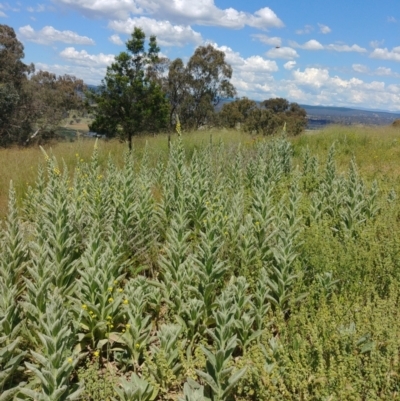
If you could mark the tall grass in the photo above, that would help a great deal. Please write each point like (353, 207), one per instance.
(20, 165)
(376, 151)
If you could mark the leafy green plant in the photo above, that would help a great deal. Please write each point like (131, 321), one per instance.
(220, 376)
(99, 384)
(55, 361)
(166, 364)
(209, 258)
(193, 391)
(135, 389)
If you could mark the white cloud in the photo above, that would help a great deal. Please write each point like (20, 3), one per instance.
(283, 52)
(181, 12)
(252, 63)
(2, 13)
(259, 64)
(315, 45)
(384, 71)
(319, 78)
(7, 7)
(310, 45)
(376, 43)
(346, 48)
(289, 65)
(272, 41)
(306, 30)
(391, 19)
(38, 9)
(394, 88)
(380, 71)
(309, 86)
(85, 59)
(103, 8)
(360, 68)
(48, 35)
(311, 76)
(324, 28)
(263, 19)
(385, 54)
(116, 40)
(252, 76)
(316, 86)
(205, 12)
(167, 34)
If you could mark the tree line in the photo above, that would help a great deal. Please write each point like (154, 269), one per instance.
(141, 92)
(31, 102)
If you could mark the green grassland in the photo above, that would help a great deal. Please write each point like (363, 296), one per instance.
(222, 267)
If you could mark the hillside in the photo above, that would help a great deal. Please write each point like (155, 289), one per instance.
(320, 116)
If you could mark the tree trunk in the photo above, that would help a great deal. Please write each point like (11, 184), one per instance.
(130, 142)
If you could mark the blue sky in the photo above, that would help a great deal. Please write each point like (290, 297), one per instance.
(326, 52)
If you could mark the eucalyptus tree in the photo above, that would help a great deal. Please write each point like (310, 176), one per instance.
(52, 97)
(195, 89)
(14, 115)
(273, 114)
(236, 112)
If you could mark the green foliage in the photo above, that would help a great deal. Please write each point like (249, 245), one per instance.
(266, 119)
(245, 273)
(99, 385)
(195, 89)
(56, 360)
(192, 391)
(221, 378)
(31, 103)
(235, 113)
(396, 123)
(136, 389)
(15, 124)
(52, 97)
(129, 101)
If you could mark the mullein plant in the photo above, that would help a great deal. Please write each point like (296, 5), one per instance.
(180, 272)
(192, 391)
(244, 316)
(220, 376)
(13, 262)
(200, 188)
(52, 226)
(133, 333)
(96, 302)
(142, 235)
(54, 360)
(359, 205)
(178, 126)
(165, 365)
(135, 389)
(11, 337)
(280, 275)
(15, 254)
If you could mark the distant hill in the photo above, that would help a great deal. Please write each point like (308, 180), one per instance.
(322, 115)
(318, 116)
